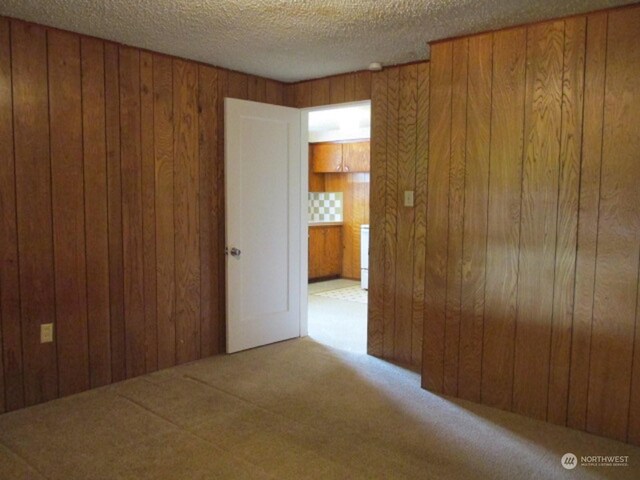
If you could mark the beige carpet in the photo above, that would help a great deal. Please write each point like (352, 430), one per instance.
(296, 409)
(337, 322)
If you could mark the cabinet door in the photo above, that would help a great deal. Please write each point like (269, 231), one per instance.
(356, 157)
(325, 252)
(326, 157)
(333, 251)
(316, 251)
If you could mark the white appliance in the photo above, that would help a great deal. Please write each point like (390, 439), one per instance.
(364, 257)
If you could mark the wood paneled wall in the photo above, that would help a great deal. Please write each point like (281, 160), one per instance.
(400, 108)
(533, 222)
(111, 210)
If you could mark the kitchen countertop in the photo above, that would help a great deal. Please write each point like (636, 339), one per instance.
(325, 224)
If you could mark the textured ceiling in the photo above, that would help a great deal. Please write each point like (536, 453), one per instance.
(290, 39)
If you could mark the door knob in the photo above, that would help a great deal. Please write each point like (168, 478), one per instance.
(235, 252)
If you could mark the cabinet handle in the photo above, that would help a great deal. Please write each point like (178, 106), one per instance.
(346, 168)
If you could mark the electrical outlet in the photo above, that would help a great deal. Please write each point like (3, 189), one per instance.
(408, 198)
(46, 333)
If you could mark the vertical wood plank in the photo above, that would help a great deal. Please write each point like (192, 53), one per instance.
(406, 173)
(132, 230)
(596, 44)
(320, 92)
(65, 113)
(391, 209)
(337, 93)
(437, 220)
(457, 168)
(148, 211)
(164, 191)
(507, 115)
(11, 379)
(348, 204)
(209, 215)
(475, 216)
(275, 93)
(375, 324)
(186, 210)
(567, 229)
(33, 194)
(420, 229)
(238, 85)
(618, 234)
(362, 86)
(95, 195)
(114, 209)
(256, 89)
(223, 86)
(543, 118)
(302, 95)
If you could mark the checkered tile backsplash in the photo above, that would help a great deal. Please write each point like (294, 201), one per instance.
(325, 207)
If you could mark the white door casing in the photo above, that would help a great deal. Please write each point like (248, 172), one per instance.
(265, 222)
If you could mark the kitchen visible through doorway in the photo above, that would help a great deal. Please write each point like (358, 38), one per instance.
(338, 212)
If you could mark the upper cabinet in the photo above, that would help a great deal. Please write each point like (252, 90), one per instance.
(356, 157)
(340, 157)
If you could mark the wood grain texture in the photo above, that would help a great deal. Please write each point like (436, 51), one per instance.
(437, 219)
(420, 216)
(148, 211)
(377, 236)
(337, 89)
(320, 92)
(238, 85)
(186, 213)
(594, 75)
(11, 380)
(505, 177)
(391, 211)
(616, 277)
(210, 217)
(33, 202)
(551, 240)
(94, 208)
(567, 219)
(457, 168)
(223, 84)
(406, 181)
(114, 209)
(132, 228)
(65, 113)
(274, 93)
(164, 191)
(543, 117)
(95, 204)
(476, 186)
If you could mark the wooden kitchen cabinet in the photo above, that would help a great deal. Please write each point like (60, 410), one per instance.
(326, 157)
(325, 251)
(340, 157)
(356, 157)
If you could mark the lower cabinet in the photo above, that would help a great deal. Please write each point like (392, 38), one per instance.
(325, 251)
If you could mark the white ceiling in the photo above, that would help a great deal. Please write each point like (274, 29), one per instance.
(290, 40)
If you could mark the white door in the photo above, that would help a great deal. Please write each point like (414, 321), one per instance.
(263, 171)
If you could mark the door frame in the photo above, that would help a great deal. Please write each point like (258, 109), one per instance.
(304, 185)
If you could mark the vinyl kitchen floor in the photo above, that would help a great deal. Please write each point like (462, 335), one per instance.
(335, 321)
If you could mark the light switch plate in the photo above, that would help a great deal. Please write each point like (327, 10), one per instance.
(408, 198)
(46, 333)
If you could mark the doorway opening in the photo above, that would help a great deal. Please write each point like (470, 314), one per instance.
(338, 215)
